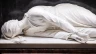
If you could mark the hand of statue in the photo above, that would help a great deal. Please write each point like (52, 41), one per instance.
(84, 36)
(81, 39)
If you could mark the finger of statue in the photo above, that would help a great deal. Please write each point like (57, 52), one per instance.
(79, 39)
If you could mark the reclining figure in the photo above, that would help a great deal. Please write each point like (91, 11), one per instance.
(61, 21)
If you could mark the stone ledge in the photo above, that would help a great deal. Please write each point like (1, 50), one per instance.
(39, 42)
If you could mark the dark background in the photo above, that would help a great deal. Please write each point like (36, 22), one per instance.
(14, 9)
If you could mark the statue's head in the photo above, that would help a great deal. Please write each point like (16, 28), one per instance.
(11, 29)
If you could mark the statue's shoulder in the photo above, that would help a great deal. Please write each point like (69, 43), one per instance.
(35, 8)
(40, 8)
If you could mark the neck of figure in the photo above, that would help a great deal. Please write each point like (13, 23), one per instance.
(24, 23)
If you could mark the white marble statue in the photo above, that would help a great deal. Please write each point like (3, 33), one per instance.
(61, 21)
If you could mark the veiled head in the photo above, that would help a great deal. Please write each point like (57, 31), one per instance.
(11, 28)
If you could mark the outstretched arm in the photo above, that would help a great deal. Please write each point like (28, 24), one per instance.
(53, 33)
